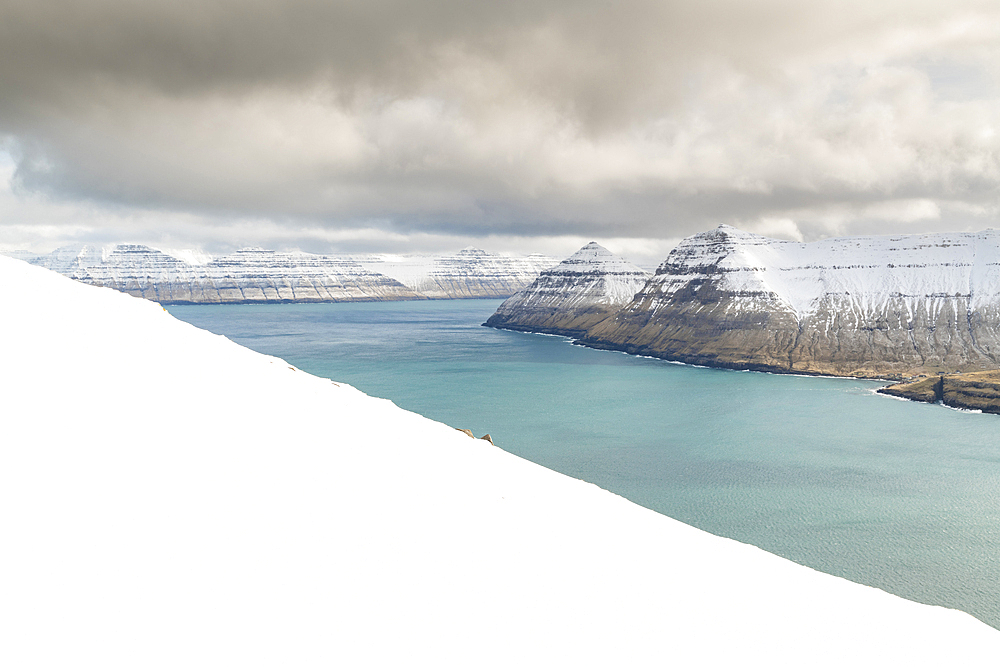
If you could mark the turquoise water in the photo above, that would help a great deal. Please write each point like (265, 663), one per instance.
(899, 495)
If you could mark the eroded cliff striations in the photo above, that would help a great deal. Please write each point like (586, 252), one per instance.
(573, 296)
(883, 306)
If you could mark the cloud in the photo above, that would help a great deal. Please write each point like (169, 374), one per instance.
(642, 119)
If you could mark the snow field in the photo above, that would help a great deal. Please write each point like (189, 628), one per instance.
(168, 497)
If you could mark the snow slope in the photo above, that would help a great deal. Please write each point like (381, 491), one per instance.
(573, 295)
(168, 497)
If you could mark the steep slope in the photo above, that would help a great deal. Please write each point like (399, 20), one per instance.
(881, 306)
(469, 274)
(572, 296)
(202, 504)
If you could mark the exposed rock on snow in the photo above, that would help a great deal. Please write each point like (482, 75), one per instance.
(572, 296)
(168, 497)
(469, 274)
(879, 306)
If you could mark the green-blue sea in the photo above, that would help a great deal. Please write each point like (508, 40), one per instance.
(898, 495)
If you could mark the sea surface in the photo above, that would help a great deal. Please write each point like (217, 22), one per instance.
(898, 495)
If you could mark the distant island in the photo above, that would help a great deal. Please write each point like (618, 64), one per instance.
(256, 275)
(888, 307)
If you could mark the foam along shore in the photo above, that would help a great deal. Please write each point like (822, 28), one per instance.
(168, 497)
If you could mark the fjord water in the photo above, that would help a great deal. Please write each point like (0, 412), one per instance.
(898, 495)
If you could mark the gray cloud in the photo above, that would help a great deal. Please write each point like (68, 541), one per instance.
(640, 119)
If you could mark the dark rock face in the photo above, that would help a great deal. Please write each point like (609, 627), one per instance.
(573, 296)
(867, 306)
(969, 391)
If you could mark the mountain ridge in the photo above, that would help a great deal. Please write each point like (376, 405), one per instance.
(573, 295)
(878, 306)
(258, 275)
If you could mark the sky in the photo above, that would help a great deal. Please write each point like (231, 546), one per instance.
(392, 126)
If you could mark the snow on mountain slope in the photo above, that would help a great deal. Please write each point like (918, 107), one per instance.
(469, 274)
(267, 275)
(572, 296)
(168, 497)
(870, 306)
(246, 276)
(258, 275)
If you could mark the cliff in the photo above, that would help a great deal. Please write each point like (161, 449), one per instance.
(881, 306)
(969, 391)
(573, 296)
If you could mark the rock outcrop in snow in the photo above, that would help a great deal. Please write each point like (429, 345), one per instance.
(202, 504)
(880, 306)
(469, 274)
(573, 296)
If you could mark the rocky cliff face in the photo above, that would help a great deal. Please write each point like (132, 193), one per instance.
(880, 306)
(969, 391)
(573, 296)
(469, 274)
(247, 276)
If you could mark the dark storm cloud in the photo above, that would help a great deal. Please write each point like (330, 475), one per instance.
(639, 118)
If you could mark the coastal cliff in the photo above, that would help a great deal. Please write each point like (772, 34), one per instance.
(969, 391)
(882, 306)
(573, 296)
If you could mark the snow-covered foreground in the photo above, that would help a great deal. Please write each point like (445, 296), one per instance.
(168, 497)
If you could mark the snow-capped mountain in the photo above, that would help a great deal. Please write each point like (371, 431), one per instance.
(266, 275)
(246, 276)
(469, 274)
(572, 296)
(868, 306)
(258, 275)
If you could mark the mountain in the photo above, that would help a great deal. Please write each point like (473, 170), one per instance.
(469, 274)
(256, 275)
(172, 498)
(250, 275)
(878, 306)
(265, 275)
(572, 296)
